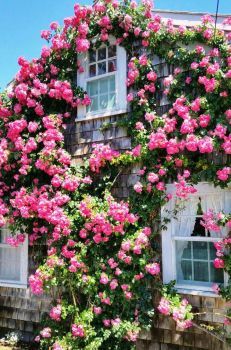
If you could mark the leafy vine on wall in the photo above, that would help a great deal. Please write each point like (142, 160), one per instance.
(102, 259)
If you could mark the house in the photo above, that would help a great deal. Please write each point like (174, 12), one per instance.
(187, 253)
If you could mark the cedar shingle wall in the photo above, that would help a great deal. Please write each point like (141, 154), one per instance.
(20, 310)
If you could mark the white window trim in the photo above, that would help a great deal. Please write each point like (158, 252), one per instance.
(168, 245)
(120, 84)
(23, 282)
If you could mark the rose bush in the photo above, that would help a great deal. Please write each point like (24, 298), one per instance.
(103, 255)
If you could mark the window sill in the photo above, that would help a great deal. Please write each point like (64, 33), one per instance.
(101, 115)
(13, 285)
(201, 293)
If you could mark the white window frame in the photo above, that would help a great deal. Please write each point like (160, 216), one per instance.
(169, 242)
(23, 281)
(120, 83)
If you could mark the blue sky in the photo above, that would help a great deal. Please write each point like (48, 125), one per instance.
(22, 20)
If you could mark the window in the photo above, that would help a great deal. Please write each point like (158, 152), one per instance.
(101, 79)
(13, 262)
(104, 79)
(187, 247)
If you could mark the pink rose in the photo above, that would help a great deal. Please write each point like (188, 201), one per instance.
(218, 263)
(77, 331)
(153, 269)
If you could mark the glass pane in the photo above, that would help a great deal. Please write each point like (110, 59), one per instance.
(103, 86)
(92, 70)
(200, 250)
(92, 88)
(212, 251)
(102, 68)
(217, 275)
(111, 102)
(112, 83)
(1, 236)
(10, 264)
(102, 54)
(4, 233)
(186, 267)
(103, 101)
(187, 251)
(112, 66)
(201, 271)
(94, 104)
(112, 51)
(92, 56)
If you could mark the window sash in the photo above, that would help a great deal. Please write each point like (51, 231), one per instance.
(101, 76)
(196, 239)
(196, 264)
(109, 94)
(96, 62)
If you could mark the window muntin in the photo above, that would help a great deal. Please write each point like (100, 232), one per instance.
(13, 261)
(101, 81)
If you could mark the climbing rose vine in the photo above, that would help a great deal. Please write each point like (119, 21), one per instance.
(103, 260)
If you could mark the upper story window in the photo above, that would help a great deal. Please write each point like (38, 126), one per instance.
(187, 247)
(101, 81)
(104, 79)
(13, 262)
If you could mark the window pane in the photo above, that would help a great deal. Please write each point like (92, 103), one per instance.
(111, 102)
(187, 251)
(112, 66)
(217, 275)
(103, 86)
(112, 51)
(212, 251)
(103, 101)
(2, 238)
(10, 264)
(94, 104)
(102, 54)
(92, 56)
(92, 70)
(201, 271)
(200, 250)
(4, 233)
(111, 83)
(92, 88)
(102, 68)
(186, 267)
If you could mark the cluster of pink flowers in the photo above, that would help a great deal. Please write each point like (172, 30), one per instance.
(46, 332)
(15, 241)
(180, 311)
(224, 174)
(210, 220)
(56, 312)
(153, 269)
(36, 283)
(100, 154)
(78, 330)
(214, 222)
(31, 147)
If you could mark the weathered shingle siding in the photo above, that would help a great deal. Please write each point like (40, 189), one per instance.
(21, 311)
(80, 136)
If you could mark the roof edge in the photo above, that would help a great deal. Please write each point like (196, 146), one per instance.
(192, 13)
